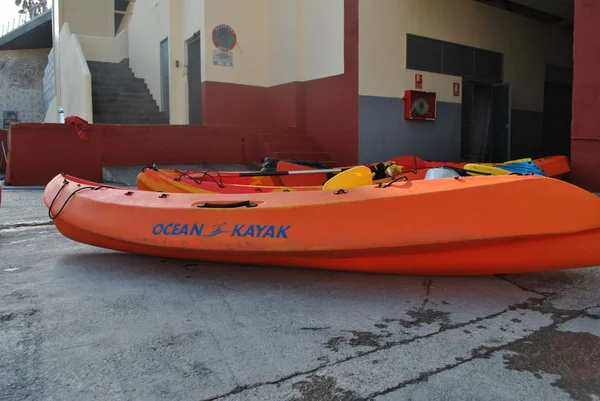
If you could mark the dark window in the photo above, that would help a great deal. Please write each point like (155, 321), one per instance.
(424, 53)
(433, 55)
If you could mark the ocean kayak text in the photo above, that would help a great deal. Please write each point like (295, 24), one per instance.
(238, 230)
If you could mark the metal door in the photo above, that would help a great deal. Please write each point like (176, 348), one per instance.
(194, 81)
(164, 76)
(499, 141)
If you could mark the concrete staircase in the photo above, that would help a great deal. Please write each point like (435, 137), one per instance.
(118, 97)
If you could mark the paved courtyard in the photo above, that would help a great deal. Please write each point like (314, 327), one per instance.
(79, 323)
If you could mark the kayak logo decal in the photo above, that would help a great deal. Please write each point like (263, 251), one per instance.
(239, 230)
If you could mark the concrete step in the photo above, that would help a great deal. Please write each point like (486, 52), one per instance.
(315, 156)
(112, 96)
(307, 146)
(285, 137)
(123, 86)
(116, 106)
(131, 120)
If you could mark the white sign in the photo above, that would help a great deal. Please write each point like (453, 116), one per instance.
(223, 59)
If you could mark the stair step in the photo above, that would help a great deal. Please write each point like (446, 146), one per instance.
(306, 146)
(126, 96)
(123, 115)
(314, 156)
(124, 86)
(132, 121)
(285, 138)
(130, 103)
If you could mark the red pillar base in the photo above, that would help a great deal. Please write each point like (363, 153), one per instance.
(585, 142)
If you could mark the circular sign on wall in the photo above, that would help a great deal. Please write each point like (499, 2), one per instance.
(224, 37)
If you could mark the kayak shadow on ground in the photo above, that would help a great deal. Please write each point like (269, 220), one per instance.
(109, 265)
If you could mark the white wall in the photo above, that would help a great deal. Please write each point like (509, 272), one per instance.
(526, 44)
(75, 77)
(149, 25)
(285, 47)
(110, 50)
(323, 38)
(249, 19)
(89, 17)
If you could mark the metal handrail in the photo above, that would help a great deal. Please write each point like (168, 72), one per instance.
(18, 22)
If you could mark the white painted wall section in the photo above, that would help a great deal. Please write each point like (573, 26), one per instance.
(148, 27)
(323, 38)
(98, 48)
(284, 38)
(250, 20)
(89, 17)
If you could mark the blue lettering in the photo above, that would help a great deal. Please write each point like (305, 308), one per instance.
(260, 230)
(249, 231)
(197, 229)
(236, 230)
(281, 232)
(157, 229)
(270, 232)
(239, 230)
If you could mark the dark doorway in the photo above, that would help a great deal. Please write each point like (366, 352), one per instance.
(164, 76)
(194, 80)
(556, 139)
(486, 122)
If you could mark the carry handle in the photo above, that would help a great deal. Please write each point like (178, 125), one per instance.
(227, 205)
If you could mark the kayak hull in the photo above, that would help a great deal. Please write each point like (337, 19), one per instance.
(361, 230)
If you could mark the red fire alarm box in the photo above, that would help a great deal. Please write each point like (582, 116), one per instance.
(419, 81)
(419, 105)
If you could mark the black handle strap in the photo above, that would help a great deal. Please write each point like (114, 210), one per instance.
(227, 205)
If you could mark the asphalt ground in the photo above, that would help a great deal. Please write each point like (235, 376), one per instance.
(79, 323)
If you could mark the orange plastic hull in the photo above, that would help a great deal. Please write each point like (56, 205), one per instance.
(410, 228)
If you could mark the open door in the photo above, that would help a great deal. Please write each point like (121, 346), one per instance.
(498, 143)
(164, 76)
(466, 136)
(194, 80)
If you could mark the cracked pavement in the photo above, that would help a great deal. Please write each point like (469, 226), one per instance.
(78, 322)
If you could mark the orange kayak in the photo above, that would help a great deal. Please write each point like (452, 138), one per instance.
(212, 182)
(174, 181)
(415, 168)
(362, 229)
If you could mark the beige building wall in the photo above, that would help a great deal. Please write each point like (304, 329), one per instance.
(149, 25)
(89, 17)
(279, 41)
(249, 20)
(323, 38)
(526, 44)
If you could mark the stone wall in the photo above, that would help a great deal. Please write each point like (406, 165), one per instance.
(22, 83)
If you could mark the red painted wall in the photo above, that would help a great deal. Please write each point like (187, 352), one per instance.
(327, 108)
(331, 104)
(3, 138)
(37, 152)
(585, 141)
